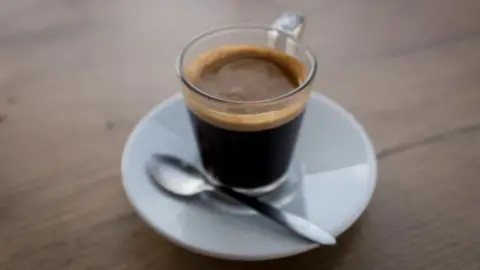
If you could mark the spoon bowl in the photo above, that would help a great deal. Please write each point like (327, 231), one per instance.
(177, 176)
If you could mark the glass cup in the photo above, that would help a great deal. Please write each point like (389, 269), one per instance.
(248, 145)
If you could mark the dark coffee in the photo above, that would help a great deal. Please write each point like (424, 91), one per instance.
(242, 144)
(246, 159)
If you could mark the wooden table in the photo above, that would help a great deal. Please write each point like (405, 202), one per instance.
(75, 77)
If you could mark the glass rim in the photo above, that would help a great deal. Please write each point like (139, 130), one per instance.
(195, 40)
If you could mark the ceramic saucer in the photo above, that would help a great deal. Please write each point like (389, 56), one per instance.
(330, 182)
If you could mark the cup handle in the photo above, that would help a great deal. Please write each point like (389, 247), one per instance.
(291, 24)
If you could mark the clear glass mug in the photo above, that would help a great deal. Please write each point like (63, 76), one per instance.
(248, 145)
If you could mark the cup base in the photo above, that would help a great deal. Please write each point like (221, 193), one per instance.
(259, 191)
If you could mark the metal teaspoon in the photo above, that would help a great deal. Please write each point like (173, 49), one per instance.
(184, 179)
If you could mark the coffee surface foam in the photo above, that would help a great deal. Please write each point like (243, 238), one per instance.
(246, 73)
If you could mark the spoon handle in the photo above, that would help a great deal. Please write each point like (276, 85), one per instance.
(294, 223)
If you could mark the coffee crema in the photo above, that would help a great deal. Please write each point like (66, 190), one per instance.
(246, 73)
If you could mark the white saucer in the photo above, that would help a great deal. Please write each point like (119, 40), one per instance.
(331, 182)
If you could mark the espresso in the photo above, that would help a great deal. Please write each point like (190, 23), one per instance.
(246, 145)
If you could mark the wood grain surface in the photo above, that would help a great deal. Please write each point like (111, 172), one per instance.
(75, 77)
